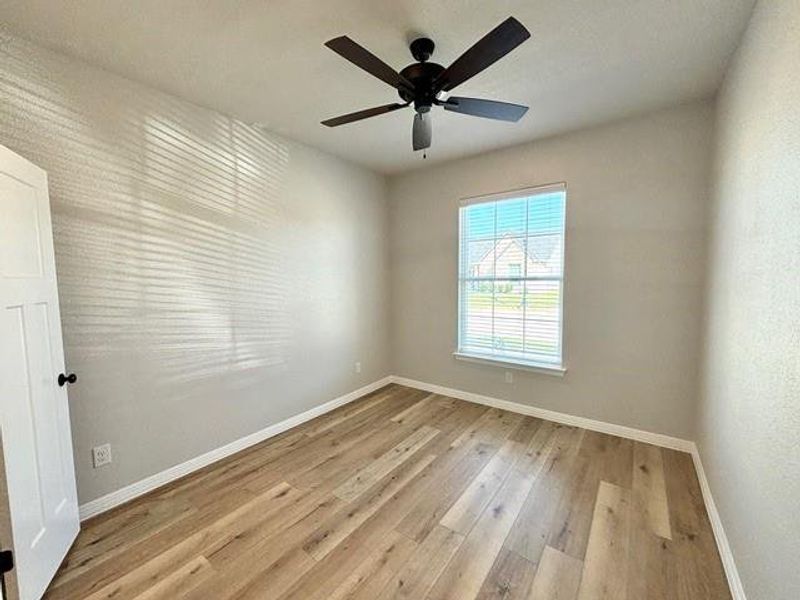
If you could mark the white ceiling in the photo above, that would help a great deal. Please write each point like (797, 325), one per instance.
(263, 61)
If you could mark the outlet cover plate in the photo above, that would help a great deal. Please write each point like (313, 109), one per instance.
(101, 455)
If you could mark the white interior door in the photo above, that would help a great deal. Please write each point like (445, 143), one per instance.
(34, 415)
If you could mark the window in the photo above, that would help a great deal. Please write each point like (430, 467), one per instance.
(511, 267)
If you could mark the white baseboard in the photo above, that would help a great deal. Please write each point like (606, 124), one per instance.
(657, 439)
(129, 492)
(723, 546)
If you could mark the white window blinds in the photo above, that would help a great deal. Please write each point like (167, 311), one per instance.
(511, 269)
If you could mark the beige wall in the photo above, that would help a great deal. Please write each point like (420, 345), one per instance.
(636, 217)
(749, 417)
(214, 279)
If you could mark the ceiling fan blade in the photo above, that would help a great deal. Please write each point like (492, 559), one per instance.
(489, 49)
(421, 132)
(363, 58)
(488, 109)
(363, 114)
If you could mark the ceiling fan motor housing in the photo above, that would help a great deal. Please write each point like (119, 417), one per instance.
(422, 74)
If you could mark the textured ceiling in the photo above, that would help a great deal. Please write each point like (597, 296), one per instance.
(264, 61)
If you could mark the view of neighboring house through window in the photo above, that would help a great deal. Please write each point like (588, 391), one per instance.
(511, 276)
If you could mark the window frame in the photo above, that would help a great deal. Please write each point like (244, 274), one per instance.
(539, 366)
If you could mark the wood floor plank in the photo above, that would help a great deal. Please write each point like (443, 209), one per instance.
(529, 535)
(698, 568)
(526, 430)
(78, 579)
(605, 568)
(455, 470)
(653, 556)
(476, 451)
(256, 473)
(557, 577)
(437, 410)
(619, 460)
(414, 409)
(277, 552)
(600, 458)
(114, 538)
(452, 424)
(466, 510)
(293, 524)
(385, 464)
(276, 579)
(347, 412)
(188, 577)
(510, 578)
(196, 485)
(423, 486)
(345, 559)
(138, 520)
(291, 453)
(321, 450)
(338, 468)
(459, 419)
(371, 576)
(265, 523)
(155, 574)
(342, 524)
(463, 577)
(653, 561)
(416, 577)
(161, 565)
(649, 488)
(493, 424)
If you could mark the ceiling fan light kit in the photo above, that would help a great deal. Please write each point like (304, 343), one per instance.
(423, 83)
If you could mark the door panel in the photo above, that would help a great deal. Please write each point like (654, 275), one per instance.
(19, 229)
(34, 415)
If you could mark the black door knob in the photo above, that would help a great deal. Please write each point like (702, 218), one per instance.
(63, 379)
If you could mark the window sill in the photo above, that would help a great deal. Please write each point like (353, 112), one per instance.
(544, 368)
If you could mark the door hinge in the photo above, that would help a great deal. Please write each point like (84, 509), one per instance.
(6, 561)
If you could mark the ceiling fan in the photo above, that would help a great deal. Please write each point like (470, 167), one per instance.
(422, 83)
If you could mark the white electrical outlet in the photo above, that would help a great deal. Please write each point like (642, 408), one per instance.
(509, 377)
(101, 455)
(358, 367)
